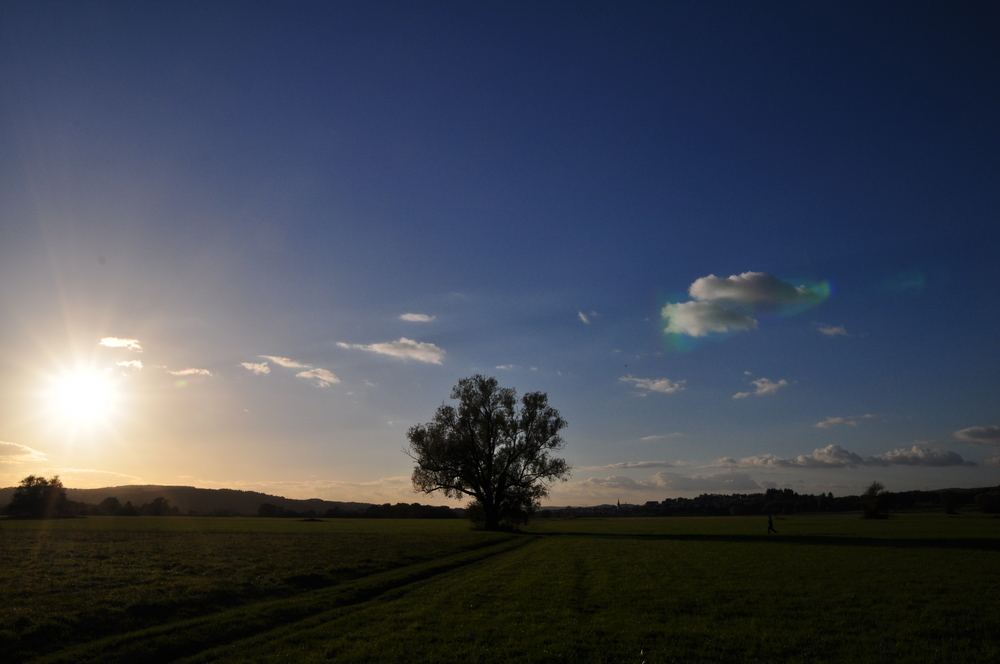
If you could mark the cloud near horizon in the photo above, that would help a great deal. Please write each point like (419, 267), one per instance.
(404, 348)
(639, 464)
(661, 385)
(116, 342)
(834, 456)
(130, 364)
(729, 304)
(764, 387)
(979, 435)
(417, 318)
(323, 377)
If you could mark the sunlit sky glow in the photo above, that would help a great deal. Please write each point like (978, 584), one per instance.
(739, 246)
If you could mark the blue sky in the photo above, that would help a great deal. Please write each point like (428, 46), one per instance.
(248, 245)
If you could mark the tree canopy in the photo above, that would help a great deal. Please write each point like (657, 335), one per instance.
(491, 448)
(38, 498)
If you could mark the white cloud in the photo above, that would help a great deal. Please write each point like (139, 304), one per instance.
(191, 372)
(764, 292)
(724, 304)
(323, 377)
(583, 317)
(404, 348)
(662, 385)
(918, 456)
(15, 453)
(285, 362)
(625, 465)
(834, 456)
(764, 387)
(697, 319)
(980, 435)
(724, 482)
(115, 342)
(832, 331)
(831, 456)
(130, 364)
(850, 420)
(834, 421)
(257, 367)
(660, 436)
(417, 318)
(506, 367)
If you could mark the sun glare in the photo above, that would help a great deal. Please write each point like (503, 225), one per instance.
(83, 397)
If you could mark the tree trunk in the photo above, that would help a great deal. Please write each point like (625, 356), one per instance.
(492, 513)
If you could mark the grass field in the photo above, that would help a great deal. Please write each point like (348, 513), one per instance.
(830, 588)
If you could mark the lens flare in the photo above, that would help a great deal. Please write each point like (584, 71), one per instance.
(82, 397)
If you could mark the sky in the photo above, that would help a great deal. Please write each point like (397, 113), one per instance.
(739, 245)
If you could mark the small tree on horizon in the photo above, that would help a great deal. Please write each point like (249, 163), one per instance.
(492, 449)
(874, 500)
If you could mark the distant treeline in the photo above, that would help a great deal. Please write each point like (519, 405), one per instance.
(787, 501)
(386, 511)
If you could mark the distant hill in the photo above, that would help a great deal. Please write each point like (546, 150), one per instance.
(200, 500)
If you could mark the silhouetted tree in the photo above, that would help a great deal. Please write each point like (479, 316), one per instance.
(110, 506)
(874, 499)
(38, 498)
(491, 449)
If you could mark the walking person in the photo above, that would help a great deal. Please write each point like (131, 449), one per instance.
(770, 525)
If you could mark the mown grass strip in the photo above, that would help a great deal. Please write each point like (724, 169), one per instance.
(185, 638)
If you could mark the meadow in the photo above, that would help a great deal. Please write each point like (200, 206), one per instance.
(827, 588)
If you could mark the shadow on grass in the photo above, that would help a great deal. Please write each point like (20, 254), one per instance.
(970, 543)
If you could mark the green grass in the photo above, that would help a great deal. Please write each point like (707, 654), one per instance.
(918, 588)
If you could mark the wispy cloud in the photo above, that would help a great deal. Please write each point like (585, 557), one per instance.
(831, 331)
(851, 421)
(403, 348)
(764, 387)
(130, 364)
(662, 385)
(323, 377)
(582, 316)
(980, 435)
(116, 342)
(285, 362)
(724, 482)
(506, 367)
(417, 318)
(191, 372)
(994, 461)
(619, 483)
(834, 456)
(660, 436)
(258, 368)
(639, 464)
(15, 453)
(726, 304)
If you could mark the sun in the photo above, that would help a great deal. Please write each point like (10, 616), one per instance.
(82, 397)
